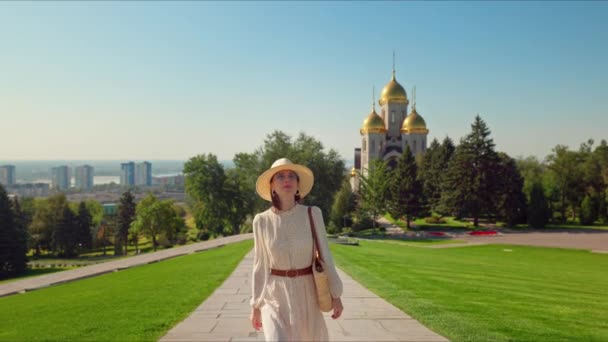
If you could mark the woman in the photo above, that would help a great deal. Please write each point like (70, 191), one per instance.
(284, 298)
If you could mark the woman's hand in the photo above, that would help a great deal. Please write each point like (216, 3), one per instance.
(256, 319)
(336, 304)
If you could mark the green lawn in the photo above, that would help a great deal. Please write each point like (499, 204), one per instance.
(140, 304)
(490, 292)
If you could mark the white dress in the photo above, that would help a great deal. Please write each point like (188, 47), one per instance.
(289, 307)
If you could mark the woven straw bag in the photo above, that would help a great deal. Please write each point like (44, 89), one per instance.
(319, 271)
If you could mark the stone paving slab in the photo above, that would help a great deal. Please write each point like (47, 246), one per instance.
(224, 316)
(34, 283)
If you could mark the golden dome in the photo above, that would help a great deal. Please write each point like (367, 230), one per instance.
(393, 92)
(353, 172)
(373, 124)
(414, 123)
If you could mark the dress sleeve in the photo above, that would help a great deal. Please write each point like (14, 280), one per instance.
(335, 284)
(260, 265)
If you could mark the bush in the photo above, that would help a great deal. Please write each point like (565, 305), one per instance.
(346, 231)
(192, 235)
(361, 223)
(203, 235)
(332, 229)
(538, 210)
(588, 213)
(246, 228)
(180, 239)
(164, 242)
(435, 220)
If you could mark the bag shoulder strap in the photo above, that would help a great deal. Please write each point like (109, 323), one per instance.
(315, 240)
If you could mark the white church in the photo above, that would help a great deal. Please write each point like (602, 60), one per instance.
(385, 135)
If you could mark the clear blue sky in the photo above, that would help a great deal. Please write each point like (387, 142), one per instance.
(169, 80)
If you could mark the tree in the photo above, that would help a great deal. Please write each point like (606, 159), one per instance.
(600, 154)
(125, 216)
(344, 205)
(588, 213)
(405, 190)
(374, 190)
(532, 171)
(327, 166)
(564, 168)
(470, 184)
(105, 229)
(21, 238)
(206, 185)
(237, 204)
(511, 203)
(432, 172)
(156, 218)
(45, 221)
(538, 210)
(12, 240)
(84, 222)
(65, 235)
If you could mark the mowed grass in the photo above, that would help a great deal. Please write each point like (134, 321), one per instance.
(138, 304)
(491, 292)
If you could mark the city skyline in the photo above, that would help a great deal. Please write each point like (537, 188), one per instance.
(168, 81)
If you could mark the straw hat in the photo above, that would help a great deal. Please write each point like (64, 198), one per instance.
(307, 179)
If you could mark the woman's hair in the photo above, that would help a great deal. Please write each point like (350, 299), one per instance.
(276, 201)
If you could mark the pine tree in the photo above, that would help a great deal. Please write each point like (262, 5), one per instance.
(374, 190)
(65, 236)
(84, 221)
(8, 237)
(126, 215)
(511, 199)
(470, 184)
(405, 189)
(538, 210)
(21, 237)
(428, 176)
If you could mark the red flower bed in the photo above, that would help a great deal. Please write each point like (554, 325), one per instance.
(436, 233)
(483, 232)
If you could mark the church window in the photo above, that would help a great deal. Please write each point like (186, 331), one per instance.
(414, 149)
(363, 145)
(392, 116)
(373, 145)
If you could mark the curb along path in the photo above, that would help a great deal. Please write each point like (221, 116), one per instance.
(224, 316)
(34, 283)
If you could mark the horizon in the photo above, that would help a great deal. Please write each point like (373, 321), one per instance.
(169, 81)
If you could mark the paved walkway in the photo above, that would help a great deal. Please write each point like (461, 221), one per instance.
(224, 316)
(34, 283)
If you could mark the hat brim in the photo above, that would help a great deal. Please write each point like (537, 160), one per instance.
(305, 175)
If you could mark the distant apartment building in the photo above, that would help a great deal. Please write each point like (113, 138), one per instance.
(84, 177)
(127, 173)
(136, 174)
(143, 174)
(60, 177)
(7, 175)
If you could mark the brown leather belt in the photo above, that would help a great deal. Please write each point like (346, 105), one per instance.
(291, 273)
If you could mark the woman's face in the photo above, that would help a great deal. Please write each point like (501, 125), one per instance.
(285, 183)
